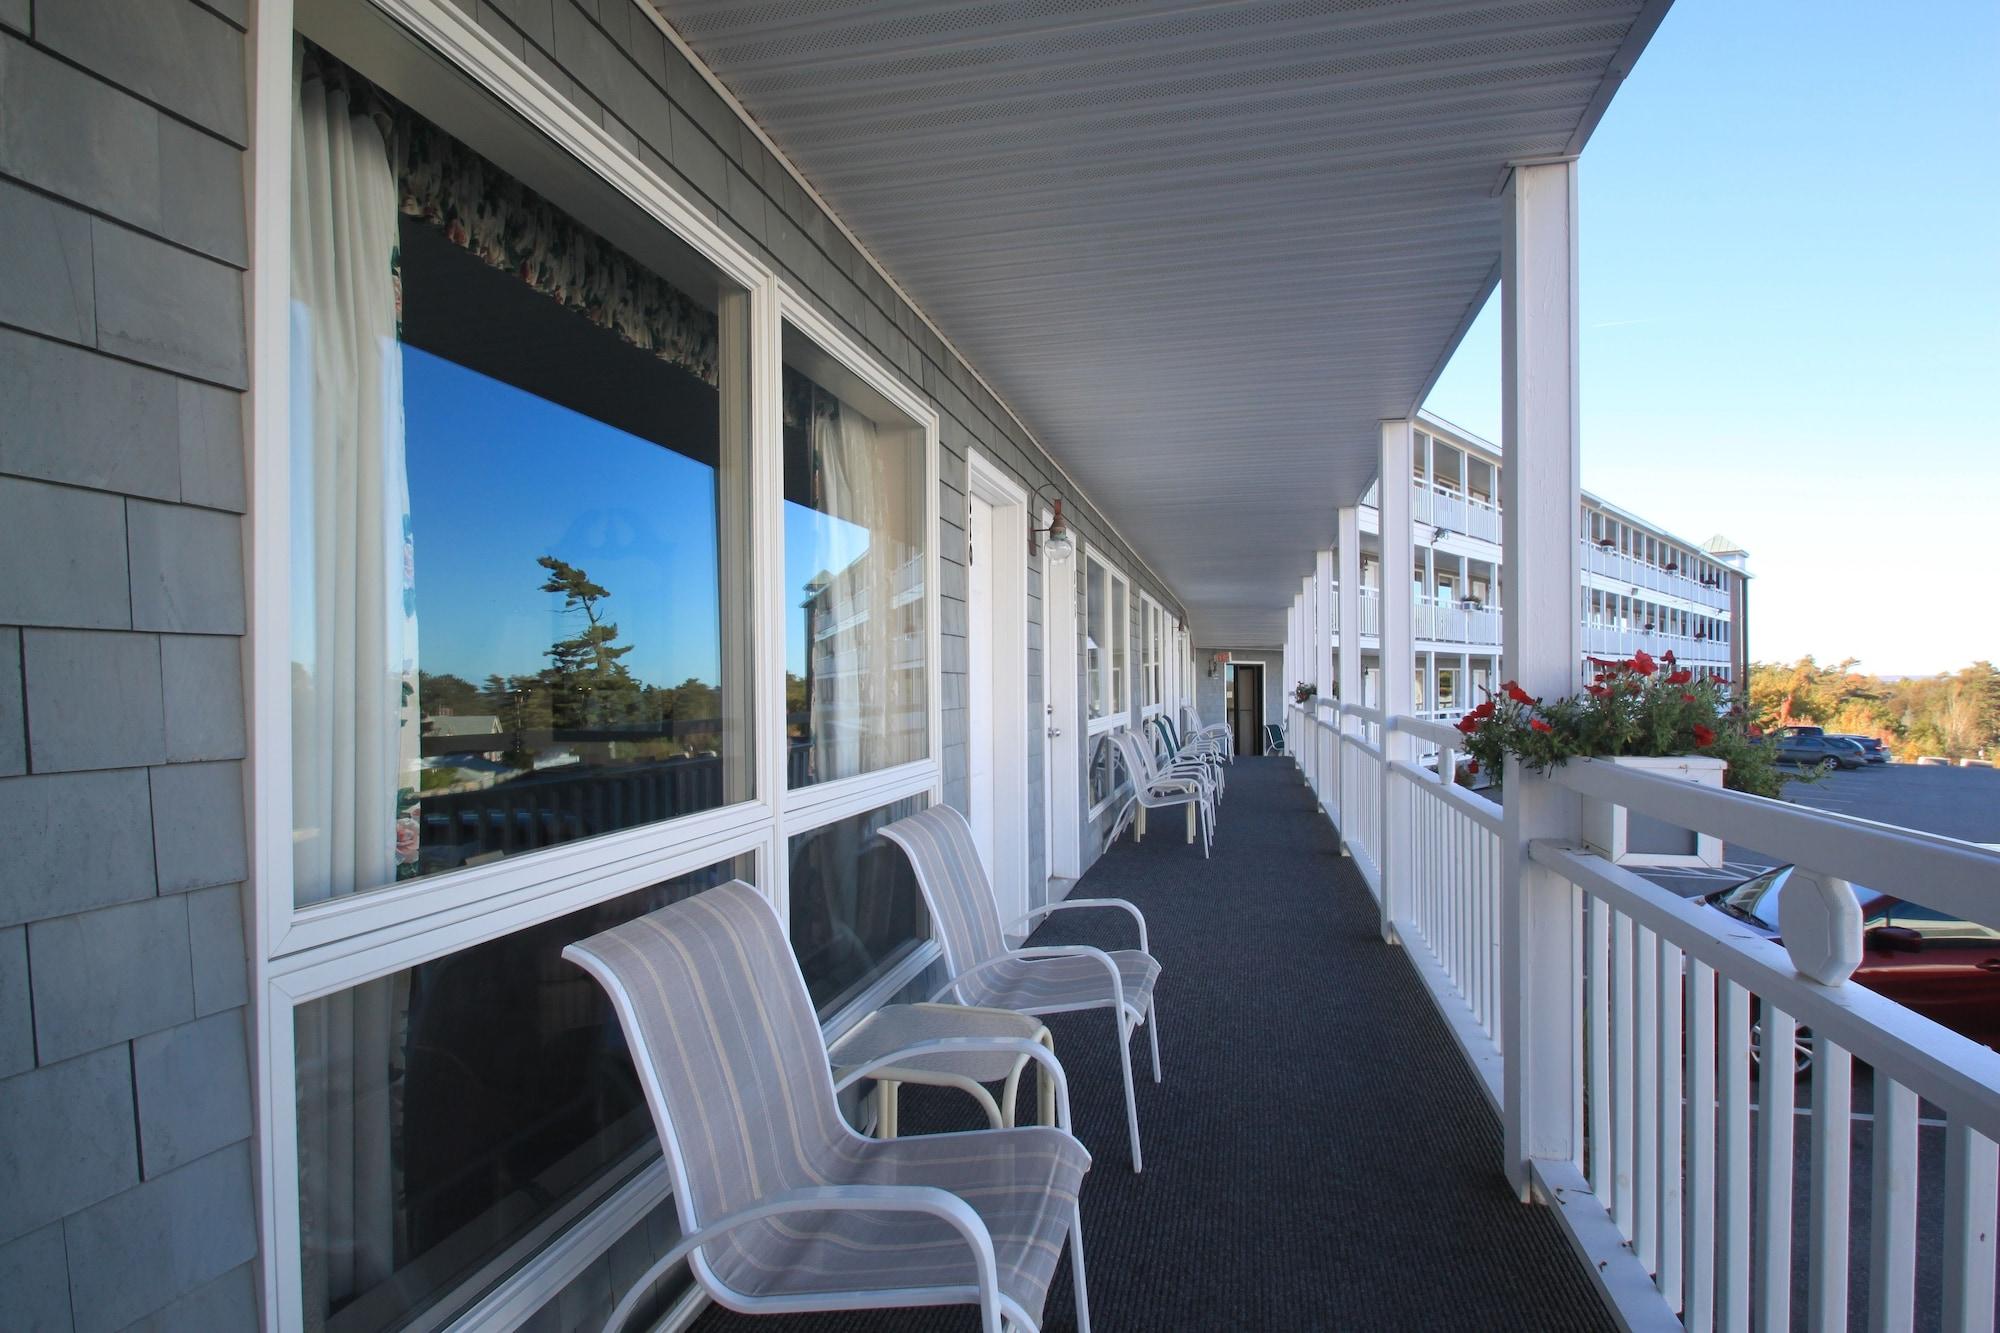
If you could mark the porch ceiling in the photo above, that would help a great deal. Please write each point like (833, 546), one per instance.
(1201, 249)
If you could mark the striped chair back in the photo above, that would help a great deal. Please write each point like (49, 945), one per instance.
(728, 1049)
(946, 860)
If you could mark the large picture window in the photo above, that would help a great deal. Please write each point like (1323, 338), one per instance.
(856, 908)
(450, 1109)
(520, 512)
(857, 696)
(1107, 642)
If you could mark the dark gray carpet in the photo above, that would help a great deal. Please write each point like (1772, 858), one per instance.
(1318, 1156)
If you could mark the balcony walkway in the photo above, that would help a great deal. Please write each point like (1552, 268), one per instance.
(1318, 1157)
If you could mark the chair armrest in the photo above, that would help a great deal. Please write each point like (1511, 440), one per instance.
(1046, 909)
(939, 1203)
(1044, 951)
(1034, 1050)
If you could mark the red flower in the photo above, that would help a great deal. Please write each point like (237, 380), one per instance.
(1681, 677)
(1517, 694)
(1687, 698)
(1468, 724)
(1484, 711)
(1610, 662)
(1471, 767)
(1703, 737)
(1599, 691)
(1641, 663)
(1756, 732)
(1538, 725)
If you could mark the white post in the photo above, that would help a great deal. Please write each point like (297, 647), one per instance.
(1347, 604)
(1398, 666)
(1322, 672)
(1539, 489)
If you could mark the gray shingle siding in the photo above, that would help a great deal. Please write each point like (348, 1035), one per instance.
(125, 1105)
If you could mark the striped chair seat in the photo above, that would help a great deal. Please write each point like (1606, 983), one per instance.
(1065, 984)
(1022, 1182)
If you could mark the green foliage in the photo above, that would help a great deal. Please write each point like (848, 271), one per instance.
(1956, 715)
(1636, 707)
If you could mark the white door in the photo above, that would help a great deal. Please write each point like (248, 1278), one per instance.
(979, 639)
(996, 679)
(1062, 788)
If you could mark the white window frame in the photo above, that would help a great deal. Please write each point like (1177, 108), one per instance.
(1152, 677)
(301, 954)
(1117, 692)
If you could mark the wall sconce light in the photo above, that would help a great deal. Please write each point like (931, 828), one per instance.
(1058, 544)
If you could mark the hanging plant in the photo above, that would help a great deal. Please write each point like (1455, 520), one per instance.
(1303, 691)
(1634, 707)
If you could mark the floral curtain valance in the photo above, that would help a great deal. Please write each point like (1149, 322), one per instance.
(484, 210)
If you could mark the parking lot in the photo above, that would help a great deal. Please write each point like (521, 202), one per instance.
(1956, 802)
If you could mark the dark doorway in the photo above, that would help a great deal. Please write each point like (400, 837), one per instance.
(1244, 703)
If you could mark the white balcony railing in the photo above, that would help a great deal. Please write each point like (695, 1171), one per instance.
(1454, 511)
(1636, 573)
(1646, 1011)
(1449, 621)
(1371, 610)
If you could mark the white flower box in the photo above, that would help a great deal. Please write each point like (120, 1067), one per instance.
(1627, 839)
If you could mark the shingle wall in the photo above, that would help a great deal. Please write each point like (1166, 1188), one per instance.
(125, 1112)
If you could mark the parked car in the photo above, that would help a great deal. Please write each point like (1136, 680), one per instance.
(1798, 729)
(1821, 750)
(1872, 747)
(1944, 968)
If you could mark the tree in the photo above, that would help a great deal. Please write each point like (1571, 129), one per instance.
(588, 683)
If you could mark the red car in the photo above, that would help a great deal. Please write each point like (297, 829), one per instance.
(1944, 968)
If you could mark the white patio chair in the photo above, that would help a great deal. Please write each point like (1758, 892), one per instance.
(1153, 789)
(1043, 979)
(1218, 731)
(1171, 751)
(783, 1207)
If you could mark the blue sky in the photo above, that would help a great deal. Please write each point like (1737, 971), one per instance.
(1790, 254)
(498, 477)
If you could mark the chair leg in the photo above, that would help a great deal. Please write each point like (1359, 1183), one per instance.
(1153, 1035)
(1076, 1270)
(1131, 1102)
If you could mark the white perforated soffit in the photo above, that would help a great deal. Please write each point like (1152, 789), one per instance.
(1201, 249)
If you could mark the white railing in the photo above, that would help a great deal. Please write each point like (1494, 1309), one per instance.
(1643, 1016)
(1449, 621)
(1371, 610)
(1455, 511)
(1634, 572)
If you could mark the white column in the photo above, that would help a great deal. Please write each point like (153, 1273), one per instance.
(1398, 666)
(1540, 1024)
(1322, 674)
(1347, 604)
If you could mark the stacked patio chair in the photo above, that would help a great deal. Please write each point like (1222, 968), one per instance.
(1153, 788)
(783, 1207)
(1043, 979)
(1216, 732)
(1203, 750)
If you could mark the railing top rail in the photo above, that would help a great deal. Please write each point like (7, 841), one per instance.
(1373, 715)
(1476, 808)
(1444, 736)
(1958, 1074)
(1941, 873)
(1327, 702)
(1354, 741)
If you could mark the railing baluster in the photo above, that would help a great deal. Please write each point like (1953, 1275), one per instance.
(1732, 1290)
(1832, 1152)
(1892, 1213)
(1624, 1043)
(1971, 1194)
(1646, 1101)
(1698, 1243)
(1597, 1014)
(1667, 1205)
(1776, 1033)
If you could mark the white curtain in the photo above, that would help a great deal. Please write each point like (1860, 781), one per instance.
(355, 732)
(850, 674)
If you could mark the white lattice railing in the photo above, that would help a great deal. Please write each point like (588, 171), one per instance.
(1680, 1181)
